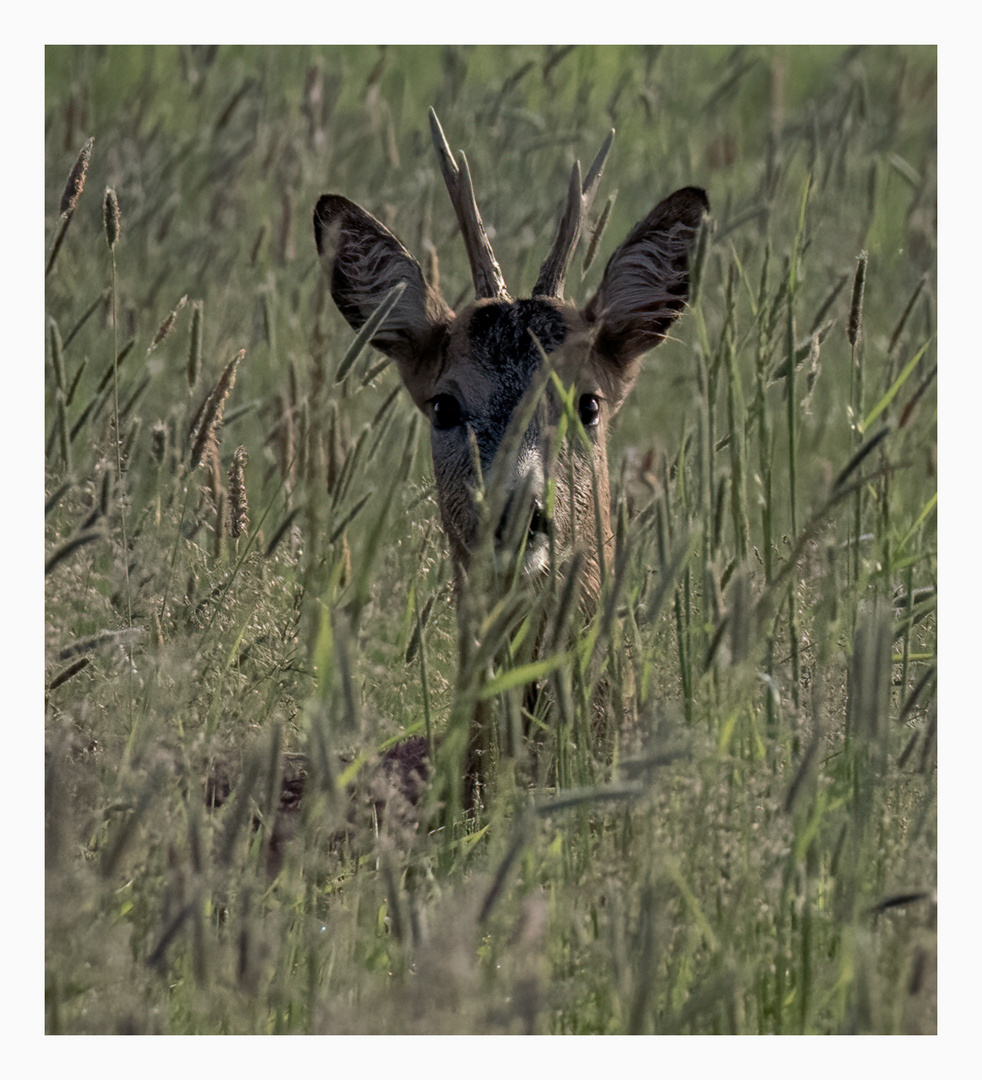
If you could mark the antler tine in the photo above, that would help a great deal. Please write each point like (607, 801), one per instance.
(552, 276)
(597, 169)
(489, 282)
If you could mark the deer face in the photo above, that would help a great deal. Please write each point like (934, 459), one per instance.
(494, 416)
(484, 377)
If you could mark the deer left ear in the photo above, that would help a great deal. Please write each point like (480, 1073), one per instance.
(364, 261)
(646, 283)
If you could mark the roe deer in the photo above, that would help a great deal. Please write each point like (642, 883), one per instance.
(481, 374)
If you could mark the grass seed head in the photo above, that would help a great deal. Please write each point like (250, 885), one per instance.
(76, 180)
(238, 497)
(856, 309)
(167, 325)
(194, 351)
(111, 216)
(205, 440)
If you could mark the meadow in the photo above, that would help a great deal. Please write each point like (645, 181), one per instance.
(248, 593)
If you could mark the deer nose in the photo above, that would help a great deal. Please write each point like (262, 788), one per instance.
(538, 522)
(524, 514)
(521, 515)
(516, 509)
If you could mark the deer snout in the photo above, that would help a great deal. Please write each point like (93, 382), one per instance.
(523, 520)
(518, 508)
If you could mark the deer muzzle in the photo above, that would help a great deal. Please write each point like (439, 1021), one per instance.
(523, 526)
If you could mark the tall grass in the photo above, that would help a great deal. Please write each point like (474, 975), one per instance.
(248, 592)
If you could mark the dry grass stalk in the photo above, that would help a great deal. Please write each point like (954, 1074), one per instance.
(204, 434)
(286, 443)
(257, 244)
(64, 434)
(57, 356)
(287, 250)
(61, 393)
(167, 325)
(219, 494)
(238, 497)
(69, 200)
(194, 350)
(597, 233)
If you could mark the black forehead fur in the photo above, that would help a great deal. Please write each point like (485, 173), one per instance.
(501, 334)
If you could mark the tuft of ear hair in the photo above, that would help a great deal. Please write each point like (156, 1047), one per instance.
(645, 285)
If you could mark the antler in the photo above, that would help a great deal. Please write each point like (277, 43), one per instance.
(489, 282)
(552, 276)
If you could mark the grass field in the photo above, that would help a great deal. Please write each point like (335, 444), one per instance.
(759, 854)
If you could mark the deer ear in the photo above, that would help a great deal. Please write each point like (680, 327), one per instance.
(646, 283)
(363, 262)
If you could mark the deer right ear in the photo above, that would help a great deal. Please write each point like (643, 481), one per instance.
(646, 283)
(363, 262)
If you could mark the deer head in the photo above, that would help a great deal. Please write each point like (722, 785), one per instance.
(483, 376)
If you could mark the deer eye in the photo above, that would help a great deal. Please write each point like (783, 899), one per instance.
(445, 412)
(589, 410)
